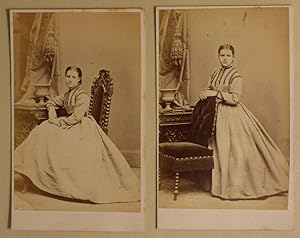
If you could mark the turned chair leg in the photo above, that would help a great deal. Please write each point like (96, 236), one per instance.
(159, 179)
(176, 187)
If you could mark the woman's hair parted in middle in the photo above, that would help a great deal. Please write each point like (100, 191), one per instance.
(226, 47)
(77, 69)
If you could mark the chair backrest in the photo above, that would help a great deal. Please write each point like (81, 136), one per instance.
(203, 121)
(101, 94)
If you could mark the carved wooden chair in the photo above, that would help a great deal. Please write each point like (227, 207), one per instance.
(192, 155)
(101, 94)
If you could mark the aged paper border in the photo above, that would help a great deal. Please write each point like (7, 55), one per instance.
(229, 219)
(150, 123)
(87, 221)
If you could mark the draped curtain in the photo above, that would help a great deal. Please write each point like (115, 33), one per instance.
(42, 54)
(174, 69)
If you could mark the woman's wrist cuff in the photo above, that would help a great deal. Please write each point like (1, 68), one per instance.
(219, 95)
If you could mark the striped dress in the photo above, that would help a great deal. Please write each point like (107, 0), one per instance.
(248, 164)
(76, 160)
(75, 98)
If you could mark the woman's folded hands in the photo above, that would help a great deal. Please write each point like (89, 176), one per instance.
(59, 122)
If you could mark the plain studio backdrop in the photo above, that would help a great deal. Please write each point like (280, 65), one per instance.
(94, 41)
(261, 40)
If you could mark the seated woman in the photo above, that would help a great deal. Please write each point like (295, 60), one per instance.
(71, 156)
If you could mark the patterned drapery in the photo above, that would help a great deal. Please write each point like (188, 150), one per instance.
(42, 54)
(174, 69)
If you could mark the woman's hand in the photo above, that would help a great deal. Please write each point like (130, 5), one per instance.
(54, 121)
(60, 123)
(52, 113)
(211, 93)
(203, 95)
(65, 127)
(207, 93)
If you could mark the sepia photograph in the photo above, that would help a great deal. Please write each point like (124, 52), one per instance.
(77, 79)
(224, 112)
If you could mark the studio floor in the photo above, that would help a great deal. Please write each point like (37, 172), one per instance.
(37, 200)
(192, 196)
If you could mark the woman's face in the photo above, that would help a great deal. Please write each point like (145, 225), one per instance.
(72, 78)
(226, 57)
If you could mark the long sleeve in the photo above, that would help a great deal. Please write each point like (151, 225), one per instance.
(55, 101)
(211, 80)
(234, 94)
(80, 109)
(52, 103)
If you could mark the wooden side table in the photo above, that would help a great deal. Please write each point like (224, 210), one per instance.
(174, 125)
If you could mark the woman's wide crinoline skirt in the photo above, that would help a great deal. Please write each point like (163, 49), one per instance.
(79, 162)
(248, 164)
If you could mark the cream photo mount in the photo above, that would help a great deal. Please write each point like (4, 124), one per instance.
(131, 218)
(211, 216)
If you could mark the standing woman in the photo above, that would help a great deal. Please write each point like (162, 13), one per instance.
(248, 164)
(71, 156)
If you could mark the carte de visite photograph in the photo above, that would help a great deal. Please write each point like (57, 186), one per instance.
(77, 79)
(224, 111)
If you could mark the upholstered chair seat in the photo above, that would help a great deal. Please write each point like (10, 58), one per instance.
(193, 155)
(184, 149)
